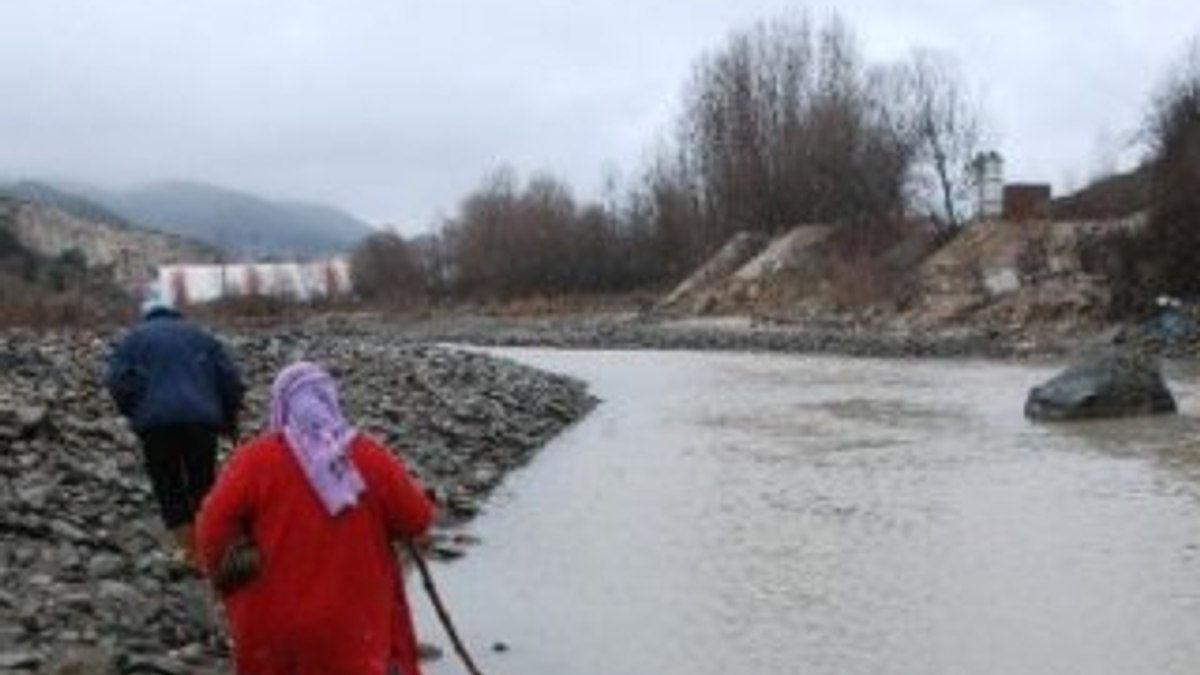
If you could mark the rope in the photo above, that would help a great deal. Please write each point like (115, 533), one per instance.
(440, 607)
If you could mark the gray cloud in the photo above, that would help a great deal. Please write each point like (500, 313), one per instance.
(394, 109)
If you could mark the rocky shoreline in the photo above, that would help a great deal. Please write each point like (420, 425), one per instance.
(87, 583)
(836, 335)
(742, 334)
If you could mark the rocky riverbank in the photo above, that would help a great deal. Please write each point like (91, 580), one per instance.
(842, 335)
(87, 584)
(632, 331)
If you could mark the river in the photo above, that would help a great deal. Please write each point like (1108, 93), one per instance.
(766, 514)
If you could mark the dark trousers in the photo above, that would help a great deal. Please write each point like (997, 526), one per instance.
(181, 460)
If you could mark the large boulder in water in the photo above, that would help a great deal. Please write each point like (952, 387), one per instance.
(1113, 385)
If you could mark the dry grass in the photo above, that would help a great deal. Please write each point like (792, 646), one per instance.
(58, 312)
(572, 303)
(870, 267)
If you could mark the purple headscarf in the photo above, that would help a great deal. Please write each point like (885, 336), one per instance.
(304, 407)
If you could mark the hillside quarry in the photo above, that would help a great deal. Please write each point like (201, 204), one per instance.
(130, 256)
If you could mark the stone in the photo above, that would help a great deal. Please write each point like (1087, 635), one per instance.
(121, 593)
(19, 660)
(81, 661)
(156, 665)
(67, 531)
(29, 419)
(1117, 384)
(106, 566)
(10, 636)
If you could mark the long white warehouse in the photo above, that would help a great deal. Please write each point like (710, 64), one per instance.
(188, 284)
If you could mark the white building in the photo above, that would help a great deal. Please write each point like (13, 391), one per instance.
(188, 284)
(988, 174)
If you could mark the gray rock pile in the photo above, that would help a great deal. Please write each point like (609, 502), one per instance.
(87, 582)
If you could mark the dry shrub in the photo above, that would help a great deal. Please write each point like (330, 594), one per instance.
(871, 266)
(58, 311)
(571, 303)
(254, 307)
(385, 271)
(859, 282)
(1161, 259)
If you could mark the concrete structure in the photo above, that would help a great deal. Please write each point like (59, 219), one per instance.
(188, 284)
(988, 170)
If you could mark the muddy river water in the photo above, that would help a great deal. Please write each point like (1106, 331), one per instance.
(755, 514)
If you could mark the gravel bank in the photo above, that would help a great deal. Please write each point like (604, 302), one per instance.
(829, 335)
(721, 334)
(86, 581)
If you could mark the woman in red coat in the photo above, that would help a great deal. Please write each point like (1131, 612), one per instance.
(323, 504)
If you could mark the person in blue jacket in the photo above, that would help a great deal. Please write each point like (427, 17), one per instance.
(180, 391)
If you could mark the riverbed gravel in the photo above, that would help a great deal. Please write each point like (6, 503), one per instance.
(88, 584)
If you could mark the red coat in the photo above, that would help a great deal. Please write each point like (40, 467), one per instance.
(329, 599)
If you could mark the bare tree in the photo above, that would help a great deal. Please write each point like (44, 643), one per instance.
(782, 125)
(782, 128)
(1161, 258)
(479, 239)
(508, 241)
(945, 126)
(383, 269)
(1174, 130)
(431, 253)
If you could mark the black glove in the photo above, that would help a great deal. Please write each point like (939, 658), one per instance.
(239, 566)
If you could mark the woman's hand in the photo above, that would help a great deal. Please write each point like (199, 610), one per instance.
(239, 565)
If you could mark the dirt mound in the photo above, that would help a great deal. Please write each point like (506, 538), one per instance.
(1029, 280)
(696, 294)
(1015, 275)
(812, 268)
(793, 261)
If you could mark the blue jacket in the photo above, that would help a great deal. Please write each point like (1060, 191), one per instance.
(167, 370)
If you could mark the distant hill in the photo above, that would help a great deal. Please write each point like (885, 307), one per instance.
(48, 229)
(242, 224)
(1114, 196)
(67, 201)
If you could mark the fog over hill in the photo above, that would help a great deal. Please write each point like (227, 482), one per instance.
(63, 199)
(242, 224)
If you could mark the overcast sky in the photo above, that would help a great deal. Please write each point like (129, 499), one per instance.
(394, 109)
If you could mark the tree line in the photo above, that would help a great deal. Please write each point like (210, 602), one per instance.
(785, 124)
(782, 125)
(1160, 259)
